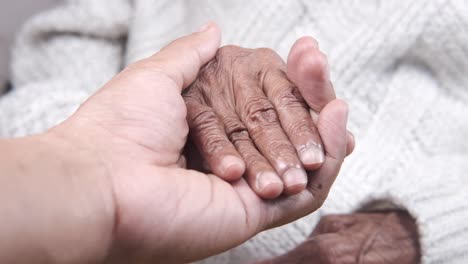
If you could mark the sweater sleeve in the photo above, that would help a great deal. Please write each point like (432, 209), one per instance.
(415, 158)
(413, 151)
(60, 57)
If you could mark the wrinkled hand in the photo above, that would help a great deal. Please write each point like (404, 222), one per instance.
(135, 128)
(368, 238)
(243, 107)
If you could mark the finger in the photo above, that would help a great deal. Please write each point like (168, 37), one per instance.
(260, 175)
(350, 141)
(332, 127)
(294, 117)
(261, 120)
(180, 61)
(308, 68)
(208, 134)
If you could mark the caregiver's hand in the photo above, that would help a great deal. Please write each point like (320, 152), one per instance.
(243, 107)
(106, 184)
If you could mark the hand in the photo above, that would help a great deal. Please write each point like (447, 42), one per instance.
(243, 107)
(368, 238)
(119, 157)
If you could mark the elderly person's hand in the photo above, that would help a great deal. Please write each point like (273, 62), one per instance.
(368, 238)
(243, 107)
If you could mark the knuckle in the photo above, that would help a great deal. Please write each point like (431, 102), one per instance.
(209, 71)
(239, 137)
(300, 126)
(193, 95)
(289, 96)
(260, 111)
(283, 152)
(232, 125)
(207, 132)
(265, 52)
(213, 145)
(232, 52)
(203, 119)
(269, 57)
(228, 49)
(252, 157)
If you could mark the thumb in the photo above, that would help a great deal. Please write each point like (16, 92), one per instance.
(181, 60)
(332, 128)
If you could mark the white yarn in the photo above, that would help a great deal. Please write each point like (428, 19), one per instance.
(401, 65)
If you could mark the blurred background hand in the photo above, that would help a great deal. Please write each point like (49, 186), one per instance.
(368, 238)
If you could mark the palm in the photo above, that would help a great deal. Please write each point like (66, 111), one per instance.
(148, 123)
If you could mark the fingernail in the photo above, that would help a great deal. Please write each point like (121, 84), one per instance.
(205, 27)
(232, 167)
(312, 156)
(268, 180)
(295, 180)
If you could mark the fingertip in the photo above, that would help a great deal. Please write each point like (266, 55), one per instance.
(339, 107)
(302, 47)
(231, 168)
(269, 185)
(210, 29)
(303, 44)
(295, 181)
(312, 157)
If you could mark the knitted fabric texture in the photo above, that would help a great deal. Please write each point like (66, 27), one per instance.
(401, 65)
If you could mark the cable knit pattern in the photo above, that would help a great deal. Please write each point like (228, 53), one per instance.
(401, 65)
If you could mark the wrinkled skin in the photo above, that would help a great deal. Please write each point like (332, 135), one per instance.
(366, 238)
(243, 107)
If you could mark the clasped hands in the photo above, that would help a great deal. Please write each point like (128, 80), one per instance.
(250, 114)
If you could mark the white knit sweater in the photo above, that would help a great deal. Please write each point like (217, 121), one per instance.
(401, 65)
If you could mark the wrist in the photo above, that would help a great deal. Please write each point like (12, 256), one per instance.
(61, 205)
